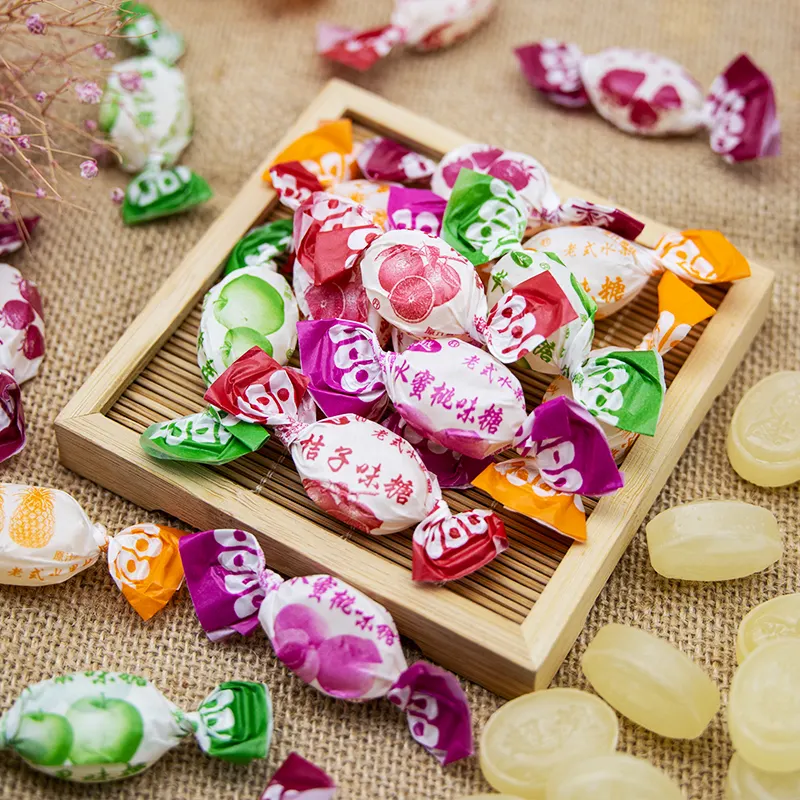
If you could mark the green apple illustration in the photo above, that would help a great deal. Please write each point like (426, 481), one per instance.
(104, 730)
(239, 340)
(43, 739)
(250, 302)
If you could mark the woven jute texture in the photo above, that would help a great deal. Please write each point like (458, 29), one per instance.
(251, 68)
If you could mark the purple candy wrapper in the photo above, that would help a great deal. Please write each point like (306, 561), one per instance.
(298, 779)
(415, 209)
(12, 418)
(382, 159)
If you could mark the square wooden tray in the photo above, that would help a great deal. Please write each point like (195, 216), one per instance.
(509, 626)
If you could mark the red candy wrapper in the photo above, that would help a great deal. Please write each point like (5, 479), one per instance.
(12, 418)
(651, 95)
(382, 159)
(358, 471)
(298, 779)
(14, 234)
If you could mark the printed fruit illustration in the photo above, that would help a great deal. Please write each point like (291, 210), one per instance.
(33, 523)
(325, 302)
(443, 277)
(30, 293)
(249, 302)
(399, 262)
(239, 340)
(33, 346)
(17, 314)
(105, 730)
(412, 298)
(43, 739)
(342, 504)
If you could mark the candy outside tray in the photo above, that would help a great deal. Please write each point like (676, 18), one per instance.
(509, 626)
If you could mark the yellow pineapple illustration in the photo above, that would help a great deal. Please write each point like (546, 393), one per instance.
(33, 523)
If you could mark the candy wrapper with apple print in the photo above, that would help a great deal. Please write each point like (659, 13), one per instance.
(532, 203)
(46, 538)
(612, 270)
(421, 24)
(359, 472)
(299, 779)
(147, 31)
(328, 633)
(98, 726)
(415, 209)
(680, 309)
(651, 95)
(262, 246)
(21, 353)
(146, 115)
(564, 454)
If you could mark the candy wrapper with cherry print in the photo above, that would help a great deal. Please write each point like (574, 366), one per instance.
(422, 24)
(532, 190)
(415, 209)
(680, 309)
(382, 159)
(612, 270)
(46, 538)
(651, 95)
(299, 779)
(358, 471)
(328, 633)
(14, 234)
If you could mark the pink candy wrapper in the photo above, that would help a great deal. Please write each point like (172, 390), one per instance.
(647, 94)
(328, 633)
(12, 418)
(298, 779)
(416, 210)
(421, 24)
(14, 234)
(358, 471)
(382, 159)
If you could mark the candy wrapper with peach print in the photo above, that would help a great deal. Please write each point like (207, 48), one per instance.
(45, 538)
(533, 203)
(328, 633)
(359, 472)
(21, 353)
(299, 779)
(651, 95)
(612, 270)
(424, 25)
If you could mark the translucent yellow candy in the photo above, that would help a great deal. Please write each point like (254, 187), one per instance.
(764, 707)
(713, 540)
(748, 783)
(491, 796)
(527, 739)
(764, 439)
(776, 619)
(650, 682)
(611, 777)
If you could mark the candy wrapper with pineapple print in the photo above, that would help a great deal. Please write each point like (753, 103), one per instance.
(328, 633)
(147, 31)
(97, 726)
(46, 538)
(147, 118)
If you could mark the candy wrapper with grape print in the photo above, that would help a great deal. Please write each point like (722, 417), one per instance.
(651, 95)
(45, 538)
(382, 159)
(532, 190)
(612, 270)
(147, 118)
(328, 633)
(680, 309)
(261, 246)
(358, 471)
(147, 31)
(299, 779)
(422, 24)
(98, 726)
(21, 353)
(415, 209)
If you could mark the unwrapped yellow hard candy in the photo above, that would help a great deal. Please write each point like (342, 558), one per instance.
(748, 783)
(650, 682)
(778, 618)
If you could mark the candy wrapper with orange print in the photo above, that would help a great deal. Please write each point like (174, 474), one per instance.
(612, 270)
(530, 202)
(421, 24)
(680, 309)
(45, 538)
(333, 637)
(651, 95)
(358, 471)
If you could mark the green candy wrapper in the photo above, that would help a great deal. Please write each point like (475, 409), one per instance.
(162, 193)
(208, 437)
(261, 246)
(101, 726)
(147, 31)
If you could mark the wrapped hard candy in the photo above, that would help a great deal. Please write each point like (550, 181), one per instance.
(421, 24)
(147, 118)
(46, 538)
(358, 471)
(650, 95)
(147, 31)
(299, 779)
(382, 159)
(778, 618)
(415, 209)
(16, 233)
(613, 271)
(99, 726)
(371, 195)
(261, 246)
(328, 633)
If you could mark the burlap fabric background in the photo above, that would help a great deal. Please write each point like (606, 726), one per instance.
(251, 68)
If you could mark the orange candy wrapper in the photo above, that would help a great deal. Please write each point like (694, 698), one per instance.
(46, 538)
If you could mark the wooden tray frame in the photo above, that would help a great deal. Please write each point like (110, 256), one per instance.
(505, 657)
